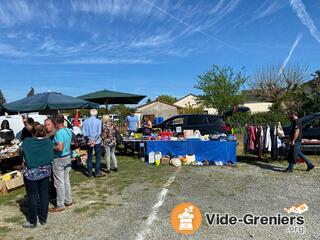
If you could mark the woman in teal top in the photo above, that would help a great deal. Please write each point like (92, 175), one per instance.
(38, 156)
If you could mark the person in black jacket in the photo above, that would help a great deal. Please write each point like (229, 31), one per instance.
(28, 125)
(295, 144)
(6, 134)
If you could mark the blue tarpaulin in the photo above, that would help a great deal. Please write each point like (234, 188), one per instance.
(224, 151)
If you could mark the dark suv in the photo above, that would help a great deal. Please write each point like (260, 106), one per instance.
(310, 127)
(205, 123)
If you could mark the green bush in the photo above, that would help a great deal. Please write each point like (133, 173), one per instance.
(238, 120)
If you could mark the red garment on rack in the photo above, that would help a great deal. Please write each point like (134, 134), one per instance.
(252, 137)
(76, 120)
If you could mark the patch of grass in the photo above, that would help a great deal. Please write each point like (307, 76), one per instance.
(15, 219)
(99, 206)
(11, 196)
(77, 178)
(29, 238)
(4, 230)
(82, 209)
(84, 197)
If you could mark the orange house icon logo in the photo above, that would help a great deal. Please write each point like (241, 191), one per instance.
(186, 218)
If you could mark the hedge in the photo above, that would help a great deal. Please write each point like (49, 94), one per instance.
(238, 120)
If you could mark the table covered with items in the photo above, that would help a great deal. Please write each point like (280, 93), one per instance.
(202, 152)
(10, 157)
(189, 148)
(10, 150)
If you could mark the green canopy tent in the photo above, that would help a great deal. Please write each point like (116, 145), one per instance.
(48, 101)
(111, 97)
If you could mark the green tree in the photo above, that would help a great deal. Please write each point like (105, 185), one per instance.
(149, 100)
(167, 99)
(189, 109)
(2, 98)
(31, 92)
(120, 109)
(311, 97)
(221, 88)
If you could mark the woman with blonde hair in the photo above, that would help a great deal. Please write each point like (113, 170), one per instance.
(109, 132)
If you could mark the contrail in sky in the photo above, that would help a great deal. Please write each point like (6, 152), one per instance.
(190, 26)
(305, 18)
(285, 62)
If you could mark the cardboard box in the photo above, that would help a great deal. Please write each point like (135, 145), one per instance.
(165, 160)
(15, 182)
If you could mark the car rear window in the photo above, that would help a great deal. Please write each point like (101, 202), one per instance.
(315, 123)
(213, 119)
(196, 120)
(176, 121)
(307, 119)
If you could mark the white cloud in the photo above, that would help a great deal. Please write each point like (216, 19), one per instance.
(14, 11)
(109, 61)
(95, 36)
(266, 9)
(10, 51)
(22, 11)
(49, 45)
(12, 35)
(153, 41)
(305, 18)
(217, 7)
(285, 62)
(115, 8)
(228, 8)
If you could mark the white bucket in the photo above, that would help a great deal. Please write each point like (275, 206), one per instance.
(151, 157)
(157, 156)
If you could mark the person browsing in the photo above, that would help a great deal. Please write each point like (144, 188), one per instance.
(132, 123)
(62, 165)
(92, 128)
(38, 156)
(295, 144)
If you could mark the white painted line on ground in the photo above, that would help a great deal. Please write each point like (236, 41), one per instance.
(153, 215)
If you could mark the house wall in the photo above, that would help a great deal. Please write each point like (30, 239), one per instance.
(192, 100)
(189, 100)
(255, 107)
(158, 109)
(258, 106)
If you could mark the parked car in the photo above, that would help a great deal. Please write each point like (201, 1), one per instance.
(205, 123)
(310, 127)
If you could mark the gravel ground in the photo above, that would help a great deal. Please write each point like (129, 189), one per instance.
(259, 189)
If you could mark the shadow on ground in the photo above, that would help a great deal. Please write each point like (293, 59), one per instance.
(23, 206)
(264, 163)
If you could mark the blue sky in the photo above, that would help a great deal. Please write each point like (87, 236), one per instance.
(147, 46)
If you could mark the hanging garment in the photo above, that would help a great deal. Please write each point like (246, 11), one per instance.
(280, 131)
(268, 142)
(252, 137)
(279, 142)
(259, 142)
